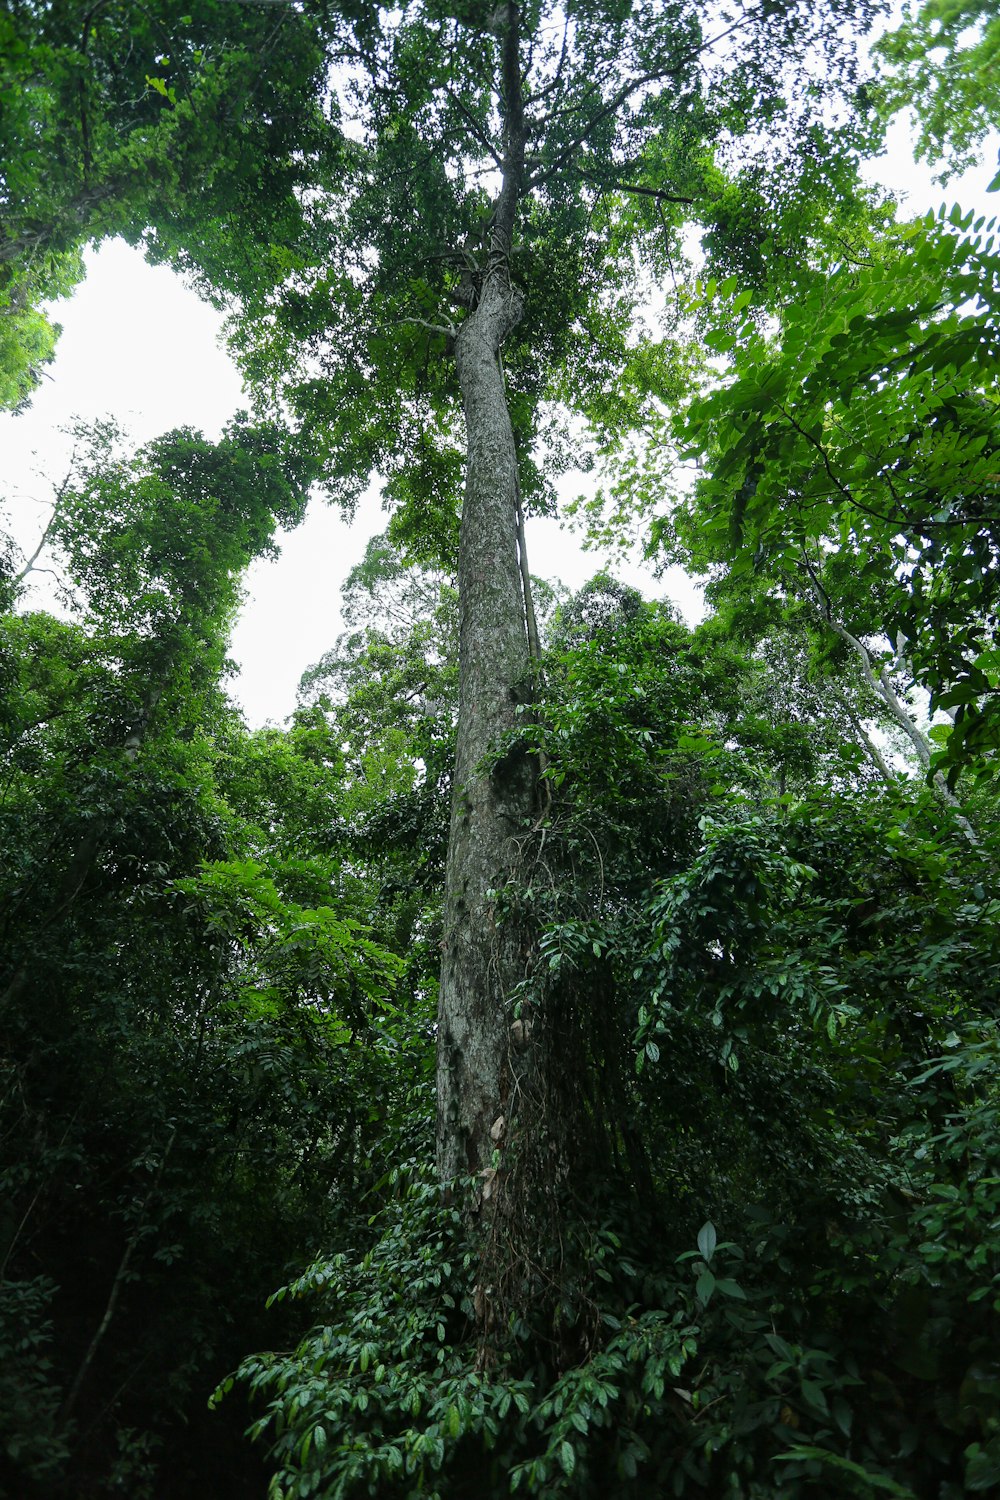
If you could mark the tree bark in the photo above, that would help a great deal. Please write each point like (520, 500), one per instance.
(490, 803)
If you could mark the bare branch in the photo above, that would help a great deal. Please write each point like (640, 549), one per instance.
(554, 83)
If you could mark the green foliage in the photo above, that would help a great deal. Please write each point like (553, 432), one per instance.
(27, 335)
(397, 1371)
(854, 459)
(29, 1395)
(803, 1158)
(635, 125)
(193, 131)
(203, 1043)
(779, 1277)
(310, 950)
(759, 960)
(941, 62)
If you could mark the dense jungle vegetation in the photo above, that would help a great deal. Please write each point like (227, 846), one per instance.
(562, 1060)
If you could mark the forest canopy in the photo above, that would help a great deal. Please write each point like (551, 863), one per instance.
(562, 1059)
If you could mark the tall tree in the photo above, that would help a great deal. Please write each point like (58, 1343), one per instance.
(514, 169)
(566, 144)
(801, 970)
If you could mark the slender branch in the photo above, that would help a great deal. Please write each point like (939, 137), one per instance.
(447, 330)
(576, 108)
(529, 61)
(863, 737)
(534, 645)
(113, 1399)
(840, 488)
(474, 126)
(666, 243)
(612, 107)
(632, 86)
(12, 1242)
(814, 442)
(881, 685)
(641, 192)
(29, 566)
(555, 81)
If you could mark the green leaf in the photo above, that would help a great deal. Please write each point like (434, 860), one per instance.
(873, 1481)
(707, 1240)
(704, 1287)
(720, 340)
(815, 1395)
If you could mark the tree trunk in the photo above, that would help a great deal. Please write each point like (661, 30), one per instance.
(481, 964)
(494, 794)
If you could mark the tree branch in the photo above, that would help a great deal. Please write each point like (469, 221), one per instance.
(29, 566)
(447, 330)
(882, 687)
(641, 192)
(474, 126)
(864, 738)
(550, 87)
(632, 86)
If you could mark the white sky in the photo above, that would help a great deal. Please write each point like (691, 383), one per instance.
(139, 346)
